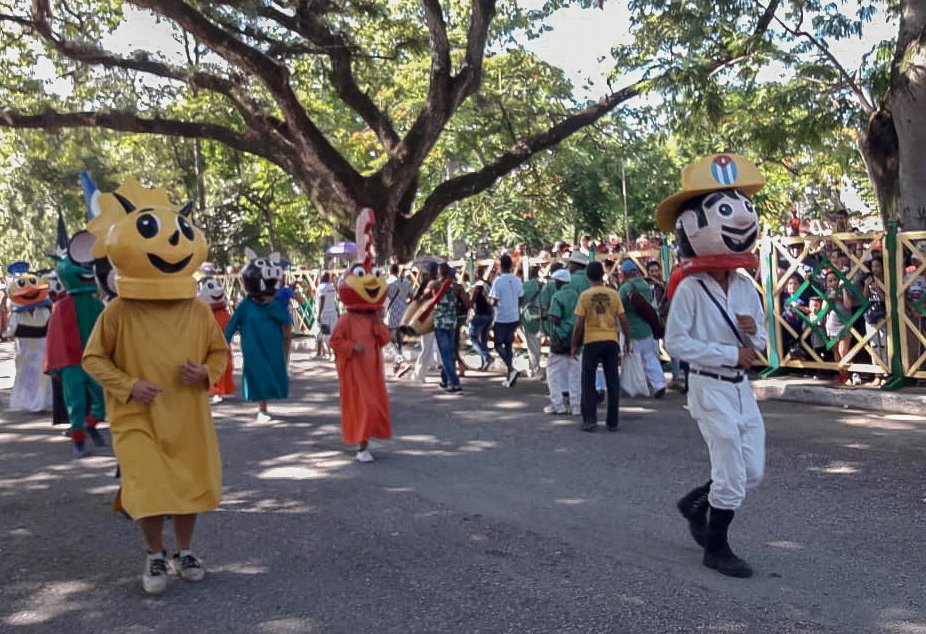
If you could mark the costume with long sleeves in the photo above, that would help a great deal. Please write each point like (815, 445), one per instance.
(28, 292)
(167, 449)
(716, 226)
(361, 377)
(262, 348)
(73, 318)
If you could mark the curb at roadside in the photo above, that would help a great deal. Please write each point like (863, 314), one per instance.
(866, 399)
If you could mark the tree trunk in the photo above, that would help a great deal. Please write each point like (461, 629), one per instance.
(907, 102)
(878, 147)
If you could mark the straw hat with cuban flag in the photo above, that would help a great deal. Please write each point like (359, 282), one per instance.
(711, 173)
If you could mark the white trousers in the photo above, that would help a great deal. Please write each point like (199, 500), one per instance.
(732, 427)
(425, 356)
(652, 367)
(564, 374)
(533, 349)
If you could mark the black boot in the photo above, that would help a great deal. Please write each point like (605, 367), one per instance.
(717, 553)
(693, 508)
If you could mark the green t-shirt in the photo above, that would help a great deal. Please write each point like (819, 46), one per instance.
(579, 282)
(563, 305)
(639, 328)
(530, 310)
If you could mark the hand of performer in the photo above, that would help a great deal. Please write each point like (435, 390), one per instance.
(628, 346)
(359, 347)
(746, 323)
(747, 357)
(144, 391)
(193, 373)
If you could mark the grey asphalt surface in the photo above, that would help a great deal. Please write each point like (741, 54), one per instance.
(481, 515)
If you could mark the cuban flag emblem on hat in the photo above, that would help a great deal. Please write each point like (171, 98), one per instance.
(724, 171)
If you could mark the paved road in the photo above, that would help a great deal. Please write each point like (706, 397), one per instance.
(482, 515)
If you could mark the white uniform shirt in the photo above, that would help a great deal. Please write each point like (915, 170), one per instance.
(696, 331)
(507, 289)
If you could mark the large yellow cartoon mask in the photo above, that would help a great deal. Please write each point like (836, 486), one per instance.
(152, 245)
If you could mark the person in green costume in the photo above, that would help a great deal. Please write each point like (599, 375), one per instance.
(72, 320)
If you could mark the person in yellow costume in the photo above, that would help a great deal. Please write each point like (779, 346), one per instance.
(156, 349)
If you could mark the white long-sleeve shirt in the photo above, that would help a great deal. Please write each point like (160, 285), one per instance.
(696, 331)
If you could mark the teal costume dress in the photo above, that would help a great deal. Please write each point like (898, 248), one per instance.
(261, 328)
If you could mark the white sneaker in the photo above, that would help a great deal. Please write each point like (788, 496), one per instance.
(576, 411)
(216, 399)
(555, 409)
(154, 579)
(263, 417)
(364, 456)
(188, 566)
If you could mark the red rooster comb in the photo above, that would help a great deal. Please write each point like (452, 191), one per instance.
(365, 222)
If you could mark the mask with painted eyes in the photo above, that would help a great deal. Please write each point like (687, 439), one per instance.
(363, 286)
(719, 223)
(262, 276)
(211, 291)
(26, 288)
(152, 245)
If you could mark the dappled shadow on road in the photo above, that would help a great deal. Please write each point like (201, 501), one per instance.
(304, 533)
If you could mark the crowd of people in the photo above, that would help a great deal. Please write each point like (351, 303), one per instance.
(160, 344)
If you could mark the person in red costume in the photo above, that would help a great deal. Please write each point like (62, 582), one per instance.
(357, 340)
(212, 292)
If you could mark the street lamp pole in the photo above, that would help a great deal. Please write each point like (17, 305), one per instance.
(624, 191)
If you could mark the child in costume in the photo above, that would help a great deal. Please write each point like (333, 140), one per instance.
(72, 320)
(266, 333)
(716, 321)
(28, 324)
(212, 292)
(157, 349)
(357, 341)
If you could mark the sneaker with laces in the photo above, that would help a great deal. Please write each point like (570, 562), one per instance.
(512, 377)
(154, 579)
(188, 566)
(216, 399)
(263, 417)
(364, 456)
(555, 409)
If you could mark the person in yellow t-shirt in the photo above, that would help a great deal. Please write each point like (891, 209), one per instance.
(597, 314)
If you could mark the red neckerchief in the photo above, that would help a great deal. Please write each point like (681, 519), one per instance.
(687, 266)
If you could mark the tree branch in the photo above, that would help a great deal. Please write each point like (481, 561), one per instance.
(478, 181)
(313, 147)
(93, 55)
(250, 141)
(340, 53)
(444, 96)
(849, 81)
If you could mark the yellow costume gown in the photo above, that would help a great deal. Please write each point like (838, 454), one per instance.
(167, 449)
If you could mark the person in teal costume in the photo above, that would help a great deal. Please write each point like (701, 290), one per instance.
(266, 331)
(72, 320)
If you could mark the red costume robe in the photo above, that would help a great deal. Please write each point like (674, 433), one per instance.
(226, 384)
(364, 402)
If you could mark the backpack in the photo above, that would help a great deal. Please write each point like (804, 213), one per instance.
(649, 314)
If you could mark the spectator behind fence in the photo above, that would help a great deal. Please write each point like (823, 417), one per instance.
(875, 327)
(836, 320)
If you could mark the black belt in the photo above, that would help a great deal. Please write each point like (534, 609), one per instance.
(711, 375)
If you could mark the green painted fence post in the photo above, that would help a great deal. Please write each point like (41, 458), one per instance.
(897, 380)
(768, 263)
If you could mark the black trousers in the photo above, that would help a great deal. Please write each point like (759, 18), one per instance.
(606, 353)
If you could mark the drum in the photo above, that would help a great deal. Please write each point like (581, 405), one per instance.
(418, 319)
